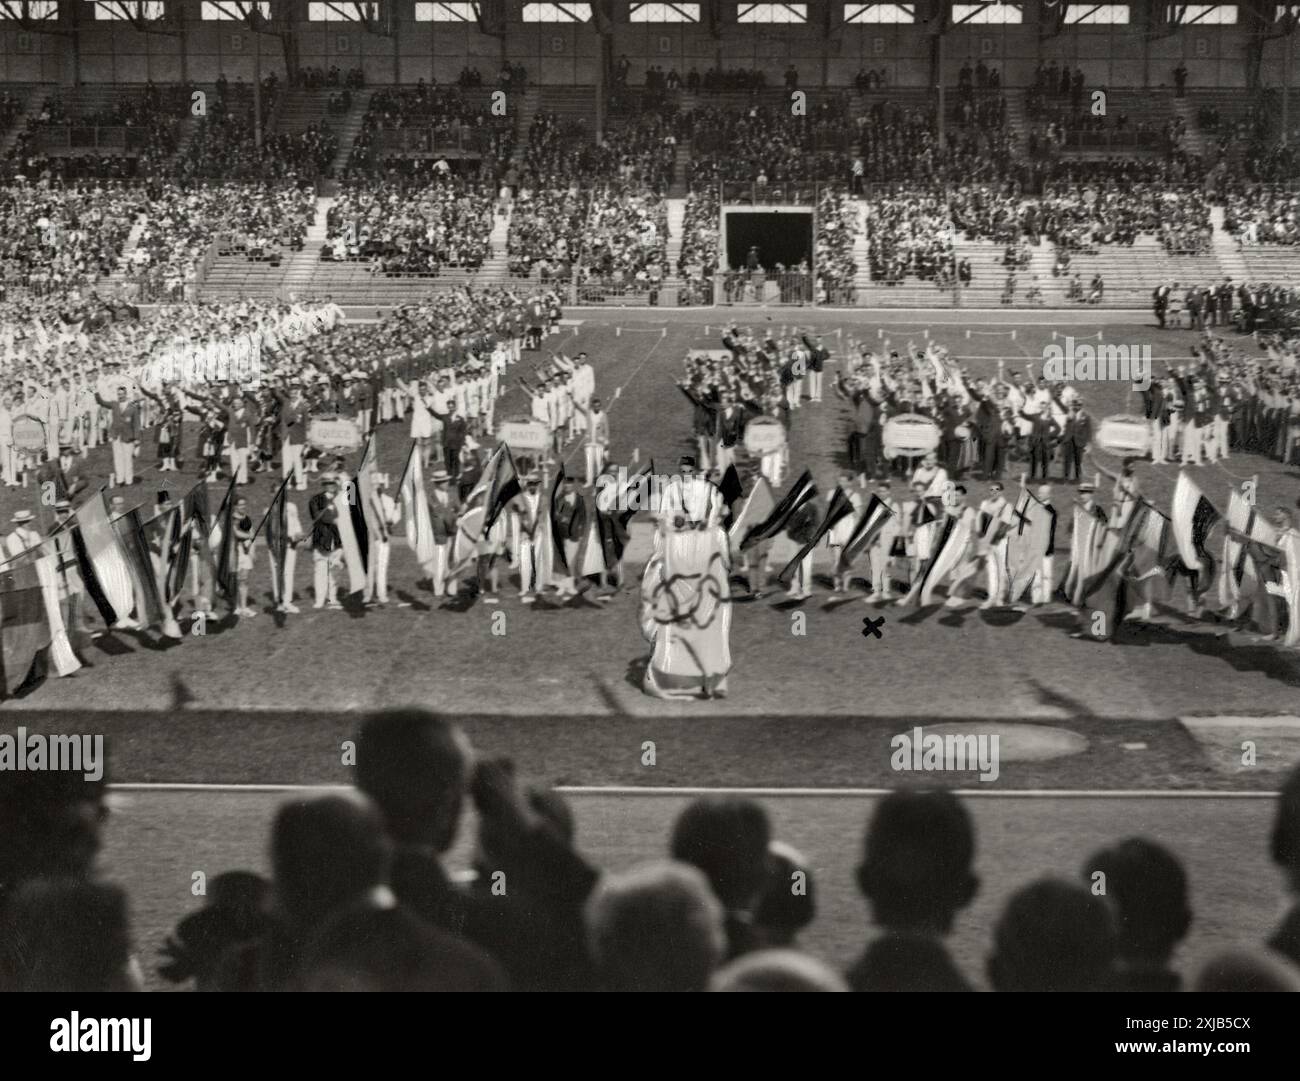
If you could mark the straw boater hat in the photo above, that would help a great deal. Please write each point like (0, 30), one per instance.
(439, 476)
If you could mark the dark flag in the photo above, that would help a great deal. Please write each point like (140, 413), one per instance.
(801, 491)
(730, 486)
(839, 508)
(556, 539)
(1194, 516)
(225, 553)
(24, 626)
(503, 485)
(150, 607)
(868, 528)
(277, 540)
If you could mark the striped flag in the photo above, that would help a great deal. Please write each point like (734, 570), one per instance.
(500, 485)
(24, 627)
(800, 492)
(109, 580)
(839, 508)
(1194, 517)
(949, 550)
(150, 608)
(415, 506)
(1240, 581)
(366, 521)
(867, 529)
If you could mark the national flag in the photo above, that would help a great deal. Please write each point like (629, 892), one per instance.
(464, 546)
(415, 505)
(197, 521)
(756, 509)
(839, 508)
(1149, 544)
(1027, 539)
(557, 541)
(62, 658)
(169, 546)
(1279, 570)
(150, 608)
(108, 577)
(946, 555)
(800, 492)
(353, 559)
(363, 507)
(1240, 580)
(223, 545)
(24, 626)
(868, 527)
(500, 483)
(275, 525)
(1194, 516)
(1083, 542)
(616, 504)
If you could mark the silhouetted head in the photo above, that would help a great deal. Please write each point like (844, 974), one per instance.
(1052, 936)
(416, 766)
(1146, 888)
(916, 869)
(727, 839)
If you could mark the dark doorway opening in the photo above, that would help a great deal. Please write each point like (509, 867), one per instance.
(784, 238)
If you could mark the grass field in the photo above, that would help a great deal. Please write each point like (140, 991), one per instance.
(268, 699)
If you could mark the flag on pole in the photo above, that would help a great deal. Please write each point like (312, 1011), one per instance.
(800, 492)
(197, 521)
(868, 527)
(415, 507)
(501, 481)
(150, 609)
(24, 627)
(223, 544)
(1031, 528)
(1194, 517)
(62, 658)
(353, 558)
(1240, 581)
(276, 527)
(757, 508)
(949, 551)
(557, 541)
(362, 508)
(104, 566)
(839, 508)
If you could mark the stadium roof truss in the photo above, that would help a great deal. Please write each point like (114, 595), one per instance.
(557, 12)
(1096, 14)
(328, 12)
(455, 11)
(880, 13)
(996, 12)
(1202, 14)
(28, 10)
(663, 13)
(772, 13)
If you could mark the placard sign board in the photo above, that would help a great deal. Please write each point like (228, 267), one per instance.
(28, 433)
(526, 435)
(910, 435)
(764, 435)
(334, 433)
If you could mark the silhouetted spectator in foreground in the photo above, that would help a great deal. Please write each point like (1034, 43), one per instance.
(916, 874)
(418, 768)
(71, 935)
(788, 901)
(1248, 970)
(656, 928)
(1147, 890)
(237, 912)
(1285, 849)
(1053, 936)
(728, 840)
(777, 970)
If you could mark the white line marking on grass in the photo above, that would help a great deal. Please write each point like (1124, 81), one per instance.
(668, 790)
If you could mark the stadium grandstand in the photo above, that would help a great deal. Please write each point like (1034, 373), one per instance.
(933, 154)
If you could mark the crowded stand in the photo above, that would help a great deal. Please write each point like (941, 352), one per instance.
(1261, 215)
(413, 231)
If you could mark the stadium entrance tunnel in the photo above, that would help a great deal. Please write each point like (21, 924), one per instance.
(783, 237)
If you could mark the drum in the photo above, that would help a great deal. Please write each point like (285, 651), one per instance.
(1125, 436)
(909, 435)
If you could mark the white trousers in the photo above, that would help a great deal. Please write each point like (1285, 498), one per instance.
(123, 462)
(292, 455)
(326, 575)
(595, 461)
(290, 566)
(377, 571)
(436, 568)
(239, 464)
(815, 385)
(1043, 581)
